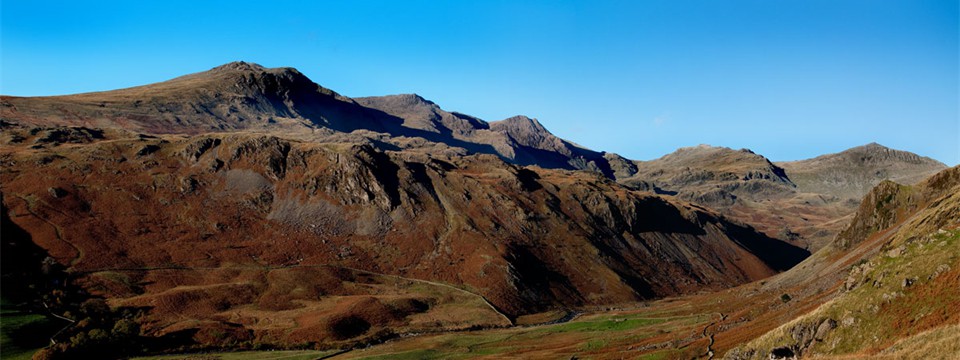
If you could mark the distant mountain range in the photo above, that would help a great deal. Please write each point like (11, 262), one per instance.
(245, 96)
(245, 168)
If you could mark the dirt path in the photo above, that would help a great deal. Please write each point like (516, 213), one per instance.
(709, 354)
(57, 231)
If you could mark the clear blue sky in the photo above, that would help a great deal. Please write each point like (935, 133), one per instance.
(788, 79)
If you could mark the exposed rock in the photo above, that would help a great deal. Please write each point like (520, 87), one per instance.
(895, 252)
(197, 148)
(824, 329)
(849, 321)
(782, 353)
(878, 210)
(56, 192)
(147, 150)
(63, 134)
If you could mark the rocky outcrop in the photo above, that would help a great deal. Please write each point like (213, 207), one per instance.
(880, 208)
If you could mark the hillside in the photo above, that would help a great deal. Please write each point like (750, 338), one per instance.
(748, 187)
(713, 175)
(248, 208)
(886, 290)
(899, 301)
(178, 222)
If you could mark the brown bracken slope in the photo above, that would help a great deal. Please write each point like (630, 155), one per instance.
(247, 202)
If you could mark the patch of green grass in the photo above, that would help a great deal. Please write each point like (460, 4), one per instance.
(604, 325)
(660, 355)
(595, 344)
(246, 355)
(426, 354)
(22, 334)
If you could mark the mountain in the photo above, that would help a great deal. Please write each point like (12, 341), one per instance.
(519, 139)
(806, 202)
(745, 186)
(851, 173)
(231, 97)
(244, 207)
(713, 175)
(173, 222)
(242, 96)
(886, 289)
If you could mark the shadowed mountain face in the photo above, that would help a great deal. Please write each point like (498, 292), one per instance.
(519, 139)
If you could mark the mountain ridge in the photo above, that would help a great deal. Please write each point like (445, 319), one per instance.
(851, 173)
(243, 96)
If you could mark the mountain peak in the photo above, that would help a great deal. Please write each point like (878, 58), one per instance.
(873, 146)
(239, 66)
(879, 154)
(521, 126)
(523, 121)
(853, 172)
(412, 99)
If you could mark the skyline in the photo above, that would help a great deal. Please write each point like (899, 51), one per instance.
(789, 81)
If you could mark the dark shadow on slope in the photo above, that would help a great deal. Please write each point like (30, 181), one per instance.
(657, 215)
(538, 285)
(528, 179)
(26, 269)
(777, 254)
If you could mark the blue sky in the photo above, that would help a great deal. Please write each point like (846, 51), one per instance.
(787, 79)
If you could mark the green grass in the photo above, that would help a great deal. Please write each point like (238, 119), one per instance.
(918, 261)
(659, 355)
(592, 345)
(429, 354)
(22, 334)
(246, 355)
(603, 325)
(881, 308)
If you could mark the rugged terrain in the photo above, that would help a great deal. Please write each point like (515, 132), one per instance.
(803, 202)
(254, 238)
(885, 290)
(246, 207)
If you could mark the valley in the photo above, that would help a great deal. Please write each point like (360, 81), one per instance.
(250, 209)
